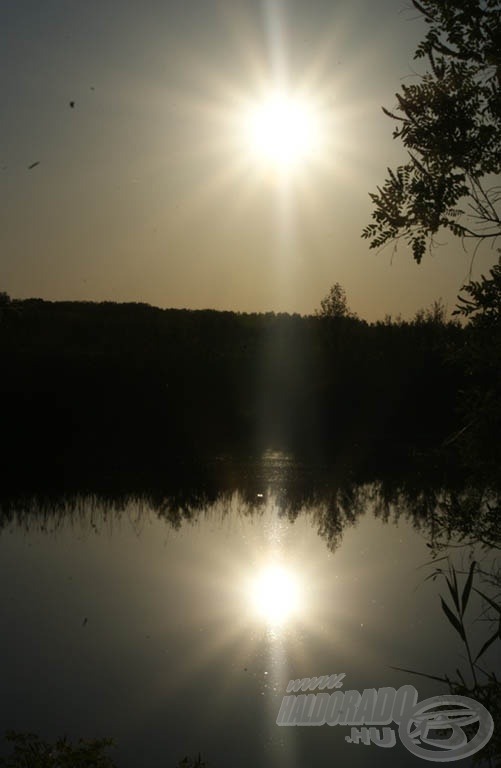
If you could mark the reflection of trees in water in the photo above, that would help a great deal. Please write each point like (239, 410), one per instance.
(441, 512)
(330, 514)
(473, 517)
(447, 515)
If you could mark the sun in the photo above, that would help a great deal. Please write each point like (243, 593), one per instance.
(275, 594)
(282, 130)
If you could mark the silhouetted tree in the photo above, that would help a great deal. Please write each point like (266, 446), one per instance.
(450, 123)
(482, 303)
(437, 314)
(335, 303)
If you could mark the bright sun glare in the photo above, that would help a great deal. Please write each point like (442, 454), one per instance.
(283, 130)
(275, 594)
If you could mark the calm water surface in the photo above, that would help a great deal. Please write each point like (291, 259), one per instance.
(143, 622)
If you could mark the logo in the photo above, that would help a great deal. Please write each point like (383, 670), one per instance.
(432, 729)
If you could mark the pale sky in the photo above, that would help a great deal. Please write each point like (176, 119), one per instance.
(147, 190)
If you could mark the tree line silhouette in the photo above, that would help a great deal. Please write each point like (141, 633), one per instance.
(129, 388)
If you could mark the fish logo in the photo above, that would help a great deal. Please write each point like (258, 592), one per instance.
(449, 715)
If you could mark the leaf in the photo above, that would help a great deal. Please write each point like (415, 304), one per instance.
(431, 576)
(422, 674)
(460, 675)
(467, 588)
(453, 619)
(488, 643)
(489, 600)
(432, 562)
(454, 592)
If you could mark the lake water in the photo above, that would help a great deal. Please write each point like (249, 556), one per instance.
(142, 620)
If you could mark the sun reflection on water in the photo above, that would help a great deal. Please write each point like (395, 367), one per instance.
(275, 594)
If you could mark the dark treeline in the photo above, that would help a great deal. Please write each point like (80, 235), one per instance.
(115, 388)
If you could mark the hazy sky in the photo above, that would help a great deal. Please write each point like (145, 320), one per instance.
(147, 190)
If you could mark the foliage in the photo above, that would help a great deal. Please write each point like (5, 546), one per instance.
(484, 686)
(335, 304)
(450, 124)
(482, 305)
(127, 386)
(436, 314)
(32, 752)
(480, 358)
(455, 615)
